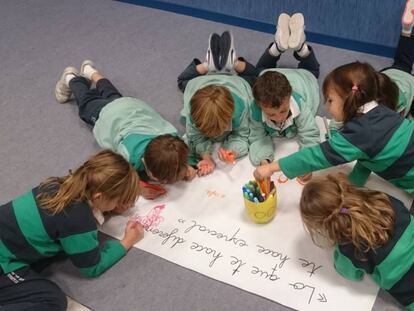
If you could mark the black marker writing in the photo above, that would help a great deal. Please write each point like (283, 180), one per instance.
(168, 237)
(274, 254)
(271, 276)
(300, 286)
(207, 250)
(238, 262)
(236, 240)
(313, 267)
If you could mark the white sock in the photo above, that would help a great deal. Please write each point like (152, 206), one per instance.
(407, 29)
(304, 50)
(69, 77)
(273, 50)
(88, 71)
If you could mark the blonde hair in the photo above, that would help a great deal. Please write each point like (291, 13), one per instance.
(212, 109)
(105, 172)
(333, 209)
(166, 157)
(356, 83)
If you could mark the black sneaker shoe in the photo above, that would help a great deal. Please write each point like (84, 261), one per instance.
(227, 52)
(213, 53)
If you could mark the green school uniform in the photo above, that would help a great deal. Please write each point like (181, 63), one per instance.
(391, 265)
(380, 140)
(236, 137)
(29, 233)
(127, 125)
(405, 83)
(304, 104)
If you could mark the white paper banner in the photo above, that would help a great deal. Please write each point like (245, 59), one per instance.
(203, 226)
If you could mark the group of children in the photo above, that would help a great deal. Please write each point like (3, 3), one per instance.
(229, 100)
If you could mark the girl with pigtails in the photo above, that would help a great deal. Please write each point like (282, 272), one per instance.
(370, 231)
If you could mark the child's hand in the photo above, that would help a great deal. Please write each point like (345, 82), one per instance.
(227, 156)
(190, 174)
(151, 191)
(134, 232)
(305, 178)
(205, 167)
(265, 171)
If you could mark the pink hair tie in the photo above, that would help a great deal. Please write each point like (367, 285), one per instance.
(355, 88)
(343, 210)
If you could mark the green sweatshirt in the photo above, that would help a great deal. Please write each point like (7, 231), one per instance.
(391, 265)
(236, 138)
(304, 104)
(29, 233)
(405, 83)
(127, 125)
(380, 140)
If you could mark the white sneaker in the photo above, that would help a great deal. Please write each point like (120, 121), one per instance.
(82, 67)
(282, 32)
(62, 90)
(297, 31)
(407, 18)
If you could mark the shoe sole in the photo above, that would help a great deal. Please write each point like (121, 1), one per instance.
(227, 51)
(215, 50)
(63, 92)
(297, 28)
(283, 31)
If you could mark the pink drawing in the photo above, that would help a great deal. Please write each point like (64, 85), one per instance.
(213, 193)
(153, 218)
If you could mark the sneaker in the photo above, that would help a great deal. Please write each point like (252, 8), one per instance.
(407, 18)
(282, 32)
(82, 67)
(213, 53)
(227, 52)
(62, 90)
(297, 31)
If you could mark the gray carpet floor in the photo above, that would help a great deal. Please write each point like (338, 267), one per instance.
(141, 51)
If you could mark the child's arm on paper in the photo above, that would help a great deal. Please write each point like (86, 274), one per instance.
(206, 165)
(197, 142)
(84, 251)
(238, 139)
(345, 267)
(261, 143)
(337, 150)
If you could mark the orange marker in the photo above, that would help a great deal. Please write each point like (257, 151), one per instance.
(227, 155)
(152, 186)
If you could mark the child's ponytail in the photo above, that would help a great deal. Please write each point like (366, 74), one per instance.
(341, 213)
(106, 172)
(356, 83)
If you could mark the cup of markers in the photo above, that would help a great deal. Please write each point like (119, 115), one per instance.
(260, 200)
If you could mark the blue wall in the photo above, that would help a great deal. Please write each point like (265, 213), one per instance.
(371, 26)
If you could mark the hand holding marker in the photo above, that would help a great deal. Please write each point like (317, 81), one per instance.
(227, 156)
